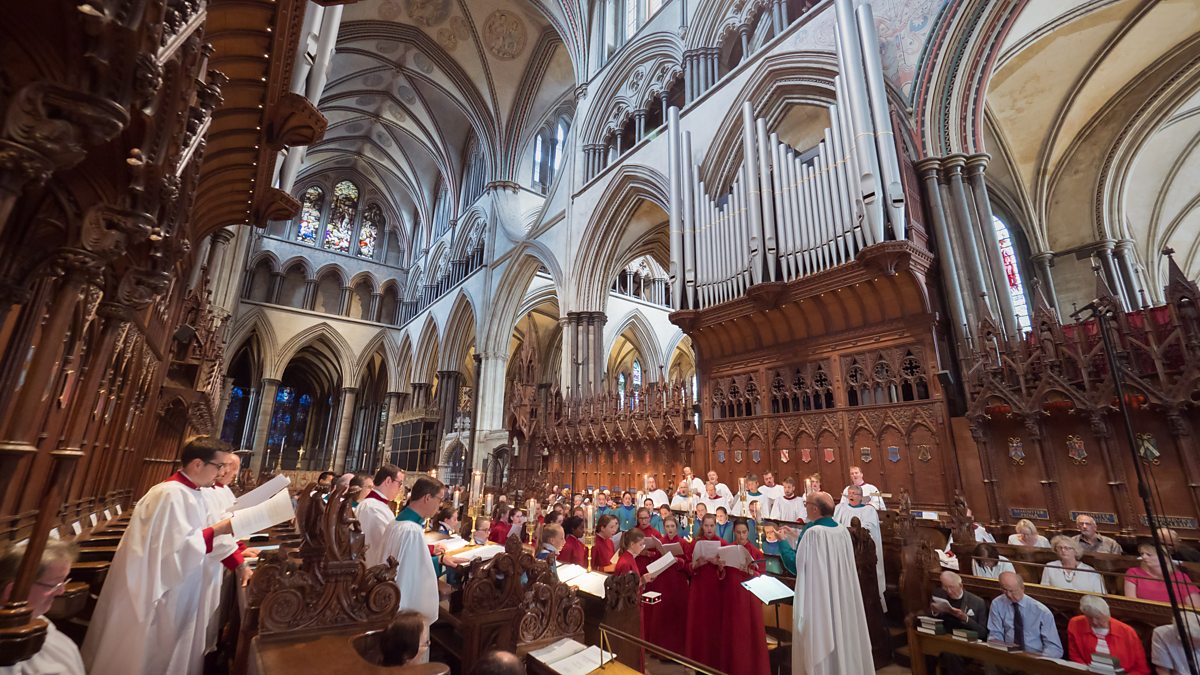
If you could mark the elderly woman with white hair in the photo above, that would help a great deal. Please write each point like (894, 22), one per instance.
(1068, 572)
(1168, 649)
(1027, 535)
(1096, 633)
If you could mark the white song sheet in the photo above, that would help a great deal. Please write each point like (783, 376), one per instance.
(705, 548)
(661, 564)
(675, 549)
(768, 589)
(277, 509)
(583, 662)
(261, 493)
(735, 556)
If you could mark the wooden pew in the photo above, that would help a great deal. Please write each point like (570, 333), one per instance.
(922, 645)
(1028, 562)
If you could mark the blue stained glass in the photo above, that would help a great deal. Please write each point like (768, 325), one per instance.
(231, 426)
(637, 374)
(340, 228)
(310, 215)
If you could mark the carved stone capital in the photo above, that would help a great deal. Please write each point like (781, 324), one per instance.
(294, 121)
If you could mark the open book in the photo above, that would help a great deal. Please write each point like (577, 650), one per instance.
(768, 589)
(661, 564)
(577, 577)
(568, 657)
(481, 553)
(251, 519)
(732, 554)
(674, 548)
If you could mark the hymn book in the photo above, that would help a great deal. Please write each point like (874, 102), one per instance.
(673, 548)
(481, 553)
(569, 657)
(768, 589)
(661, 564)
(577, 577)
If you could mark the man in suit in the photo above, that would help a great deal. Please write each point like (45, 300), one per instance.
(964, 610)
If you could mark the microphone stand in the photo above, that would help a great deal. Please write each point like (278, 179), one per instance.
(1102, 312)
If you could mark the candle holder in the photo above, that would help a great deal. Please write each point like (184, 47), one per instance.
(589, 540)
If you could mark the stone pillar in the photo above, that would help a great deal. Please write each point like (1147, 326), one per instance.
(373, 310)
(976, 165)
(218, 243)
(345, 414)
(344, 305)
(568, 352)
(391, 403)
(489, 415)
(947, 258)
(1127, 263)
(1111, 275)
(1043, 262)
(953, 166)
(197, 267)
(639, 125)
(310, 288)
(447, 399)
(599, 358)
(276, 286)
(262, 421)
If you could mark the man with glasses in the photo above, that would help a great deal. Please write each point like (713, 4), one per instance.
(1090, 539)
(375, 510)
(152, 616)
(58, 654)
(404, 540)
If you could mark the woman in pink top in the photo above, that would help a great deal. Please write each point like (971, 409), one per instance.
(1146, 582)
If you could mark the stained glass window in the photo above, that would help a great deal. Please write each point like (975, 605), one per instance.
(637, 375)
(340, 229)
(372, 225)
(289, 421)
(621, 386)
(537, 160)
(231, 427)
(310, 215)
(1012, 273)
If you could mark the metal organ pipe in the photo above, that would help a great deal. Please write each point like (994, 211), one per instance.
(885, 141)
(845, 208)
(846, 129)
(749, 164)
(767, 200)
(851, 66)
(689, 219)
(675, 207)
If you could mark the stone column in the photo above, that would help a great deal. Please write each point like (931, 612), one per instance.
(1126, 262)
(1111, 275)
(599, 358)
(276, 286)
(953, 166)
(1043, 262)
(373, 310)
(218, 243)
(344, 305)
(310, 288)
(391, 403)
(976, 165)
(947, 259)
(262, 421)
(447, 399)
(568, 352)
(345, 414)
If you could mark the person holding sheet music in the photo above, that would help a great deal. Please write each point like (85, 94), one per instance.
(405, 541)
(790, 507)
(662, 621)
(500, 525)
(745, 643)
(374, 511)
(573, 551)
(645, 524)
(604, 552)
(707, 619)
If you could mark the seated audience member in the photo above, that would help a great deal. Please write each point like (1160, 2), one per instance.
(1147, 580)
(58, 655)
(1027, 535)
(1168, 649)
(500, 525)
(553, 540)
(1179, 550)
(401, 640)
(1015, 609)
(987, 562)
(498, 663)
(1090, 539)
(1068, 572)
(982, 536)
(1096, 632)
(967, 611)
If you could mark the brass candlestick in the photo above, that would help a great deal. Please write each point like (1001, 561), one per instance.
(589, 540)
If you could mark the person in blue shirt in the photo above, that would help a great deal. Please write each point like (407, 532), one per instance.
(724, 525)
(701, 511)
(661, 515)
(626, 513)
(656, 520)
(602, 508)
(770, 539)
(553, 539)
(1018, 619)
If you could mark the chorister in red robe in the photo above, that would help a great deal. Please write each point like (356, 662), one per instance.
(745, 637)
(602, 553)
(665, 623)
(706, 623)
(499, 532)
(573, 552)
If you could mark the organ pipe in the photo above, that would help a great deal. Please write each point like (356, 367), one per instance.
(767, 201)
(851, 66)
(885, 141)
(689, 218)
(675, 207)
(749, 165)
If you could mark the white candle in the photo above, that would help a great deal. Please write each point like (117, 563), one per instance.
(488, 508)
(742, 485)
(807, 485)
(591, 526)
(456, 500)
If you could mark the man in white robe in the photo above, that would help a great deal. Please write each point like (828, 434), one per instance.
(404, 540)
(871, 494)
(375, 511)
(771, 490)
(829, 626)
(712, 499)
(58, 655)
(868, 517)
(722, 489)
(790, 507)
(153, 613)
(753, 494)
(682, 501)
(655, 493)
(693, 482)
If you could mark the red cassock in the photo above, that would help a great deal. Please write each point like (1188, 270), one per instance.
(745, 650)
(499, 532)
(626, 563)
(602, 553)
(650, 532)
(706, 616)
(573, 552)
(665, 623)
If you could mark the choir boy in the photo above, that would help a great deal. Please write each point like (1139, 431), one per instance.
(790, 507)
(706, 624)
(746, 642)
(603, 550)
(553, 541)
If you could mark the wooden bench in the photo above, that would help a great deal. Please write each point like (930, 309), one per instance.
(1029, 562)
(922, 645)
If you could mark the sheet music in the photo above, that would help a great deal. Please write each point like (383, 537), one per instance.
(591, 583)
(260, 494)
(942, 604)
(482, 553)
(661, 564)
(277, 509)
(568, 572)
(582, 662)
(675, 549)
(558, 651)
(652, 544)
(768, 589)
(705, 549)
(735, 556)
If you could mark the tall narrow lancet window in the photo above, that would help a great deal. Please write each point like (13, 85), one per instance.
(1012, 274)
(340, 229)
(310, 215)
(621, 387)
(636, 379)
(368, 235)
(560, 137)
(537, 160)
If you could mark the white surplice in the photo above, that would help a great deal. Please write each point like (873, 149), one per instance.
(153, 613)
(744, 511)
(711, 503)
(829, 627)
(405, 540)
(871, 494)
(680, 503)
(374, 516)
(869, 518)
(659, 497)
(789, 509)
(58, 656)
(219, 499)
(772, 493)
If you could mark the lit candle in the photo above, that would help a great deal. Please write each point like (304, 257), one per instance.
(433, 474)
(591, 525)
(476, 485)
(487, 509)
(646, 482)
(533, 509)
(807, 485)
(742, 485)
(456, 492)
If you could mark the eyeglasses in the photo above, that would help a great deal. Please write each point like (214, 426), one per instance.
(219, 465)
(54, 587)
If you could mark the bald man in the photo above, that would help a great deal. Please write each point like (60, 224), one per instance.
(961, 609)
(1039, 635)
(498, 663)
(1090, 539)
